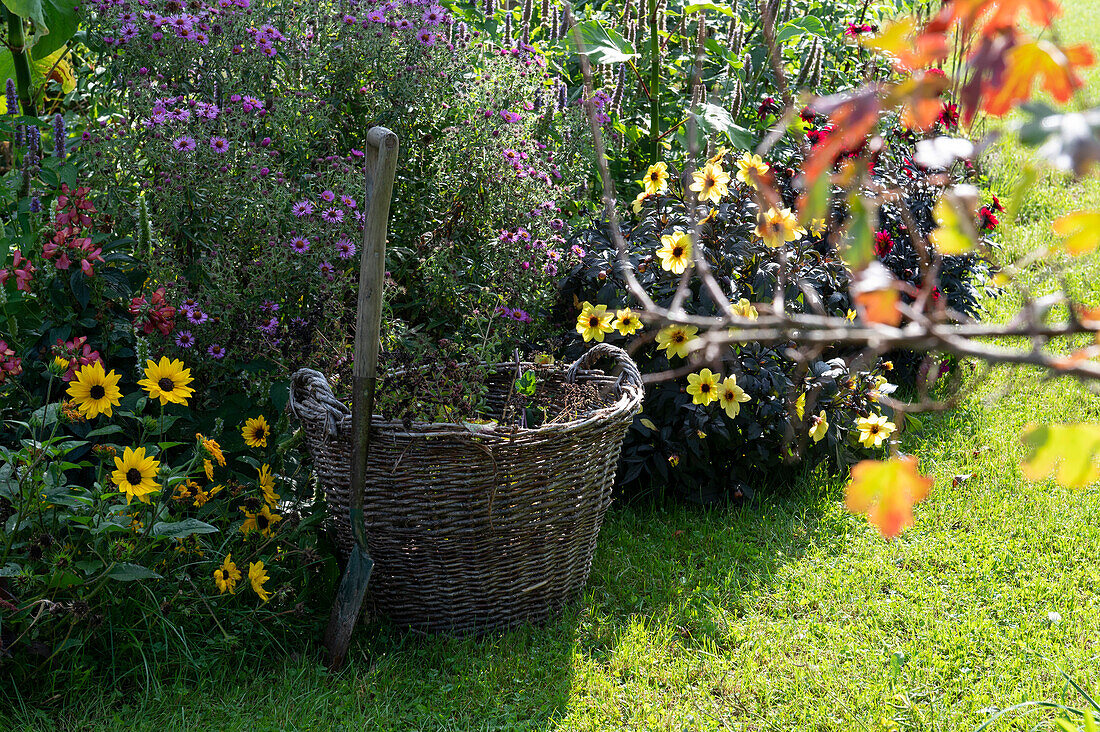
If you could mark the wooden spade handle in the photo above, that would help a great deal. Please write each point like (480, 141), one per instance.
(380, 167)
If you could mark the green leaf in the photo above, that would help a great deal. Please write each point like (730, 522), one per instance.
(859, 238)
(109, 429)
(127, 572)
(603, 45)
(55, 22)
(808, 25)
(181, 529)
(11, 569)
(715, 119)
(1069, 452)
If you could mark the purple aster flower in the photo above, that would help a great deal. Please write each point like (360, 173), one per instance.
(345, 249)
(332, 215)
(219, 144)
(184, 143)
(328, 196)
(216, 351)
(434, 15)
(184, 339)
(377, 16)
(302, 208)
(270, 326)
(196, 316)
(300, 244)
(550, 268)
(577, 251)
(348, 201)
(426, 37)
(269, 307)
(508, 116)
(327, 270)
(557, 224)
(403, 24)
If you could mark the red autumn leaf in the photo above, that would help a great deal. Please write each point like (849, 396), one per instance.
(886, 491)
(851, 119)
(1055, 68)
(992, 16)
(921, 102)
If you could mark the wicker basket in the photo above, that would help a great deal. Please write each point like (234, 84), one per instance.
(473, 528)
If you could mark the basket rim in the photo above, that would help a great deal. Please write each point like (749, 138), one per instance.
(316, 389)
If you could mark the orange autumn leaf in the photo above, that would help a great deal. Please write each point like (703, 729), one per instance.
(994, 15)
(886, 490)
(1080, 231)
(908, 52)
(852, 118)
(921, 99)
(879, 306)
(1054, 67)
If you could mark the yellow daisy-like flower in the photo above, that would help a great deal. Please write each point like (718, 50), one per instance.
(818, 226)
(731, 396)
(255, 432)
(676, 339)
(703, 386)
(212, 448)
(820, 427)
(594, 321)
(267, 485)
(874, 430)
(263, 521)
(203, 496)
(749, 164)
(711, 183)
(675, 252)
(135, 473)
(227, 576)
(850, 315)
(208, 468)
(94, 391)
(800, 406)
(626, 322)
(716, 158)
(656, 179)
(639, 200)
(256, 577)
(167, 381)
(744, 309)
(778, 226)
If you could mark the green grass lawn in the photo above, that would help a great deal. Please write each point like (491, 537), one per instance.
(787, 615)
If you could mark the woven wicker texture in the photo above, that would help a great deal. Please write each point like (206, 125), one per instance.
(479, 527)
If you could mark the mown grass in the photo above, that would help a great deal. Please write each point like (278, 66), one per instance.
(788, 614)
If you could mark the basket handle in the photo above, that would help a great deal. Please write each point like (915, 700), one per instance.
(630, 373)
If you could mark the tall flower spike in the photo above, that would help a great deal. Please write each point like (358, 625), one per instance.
(737, 98)
(508, 26)
(13, 98)
(563, 98)
(489, 7)
(620, 89)
(60, 134)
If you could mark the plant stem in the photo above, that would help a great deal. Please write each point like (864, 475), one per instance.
(17, 45)
(654, 85)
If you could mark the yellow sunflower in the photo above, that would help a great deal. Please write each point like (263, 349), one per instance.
(263, 521)
(751, 164)
(656, 179)
(711, 183)
(255, 432)
(676, 339)
(675, 252)
(94, 391)
(203, 496)
(167, 381)
(227, 576)
(594, 321)
(267, 485)
(135, 473)
(778, 226)
(731, 396)
(256, 577)
(821, 426)
(874, 430)
(626, 322)
(703, 386)
(208, 468)
(212, 448)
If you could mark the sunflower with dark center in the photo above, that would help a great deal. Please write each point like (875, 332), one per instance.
(676, 339)
(262, 521)
(95, 391)
(703, 386)
(594, 322)
(675, 252)
(135, 473)
(167, 381)
(256, 431)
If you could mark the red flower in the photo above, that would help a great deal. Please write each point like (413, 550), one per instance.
(884, 243)
(10, 365)
(153, 314)
(997, 205)
(987, 220)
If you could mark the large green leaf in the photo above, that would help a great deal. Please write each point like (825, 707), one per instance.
(603, 45)
(182, 529)
(127, 572)
(40, 67)
(55, 22)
